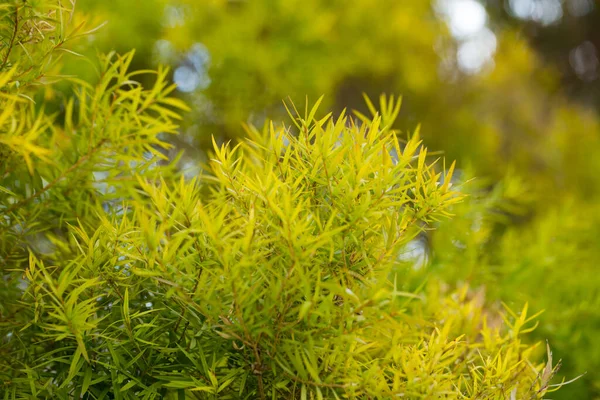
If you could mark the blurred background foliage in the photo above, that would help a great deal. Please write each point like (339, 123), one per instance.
(509, 88)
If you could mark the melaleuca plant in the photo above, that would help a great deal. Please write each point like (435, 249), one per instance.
(276, 274)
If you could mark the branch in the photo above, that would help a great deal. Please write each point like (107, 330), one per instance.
(56, 180)
(12, 39)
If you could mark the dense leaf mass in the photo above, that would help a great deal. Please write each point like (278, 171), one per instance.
(282, 280)
(280, 270)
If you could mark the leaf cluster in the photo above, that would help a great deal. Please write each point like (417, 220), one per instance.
(276, 274)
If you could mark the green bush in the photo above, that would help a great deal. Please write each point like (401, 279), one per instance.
(279, 272)
(282, 281)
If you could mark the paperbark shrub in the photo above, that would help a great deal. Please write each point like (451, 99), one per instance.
(282, 280)
(276, 274)
(246, 56)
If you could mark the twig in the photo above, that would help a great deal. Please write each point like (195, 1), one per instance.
(12, 39)
(56, 180)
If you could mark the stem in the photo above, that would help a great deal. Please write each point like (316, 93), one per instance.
(187, 324)
(12, 39)
(261, 388)
(56, 180)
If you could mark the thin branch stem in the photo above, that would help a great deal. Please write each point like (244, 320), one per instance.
(56, 180)
(12, 39)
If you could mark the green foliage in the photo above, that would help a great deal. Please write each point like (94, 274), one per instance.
(513, 119)
(501, 246)
(282, 282)
(52, 172)
(280, 272)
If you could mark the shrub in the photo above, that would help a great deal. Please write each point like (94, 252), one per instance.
(282, 282)
(514, 115)
(277, 273)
